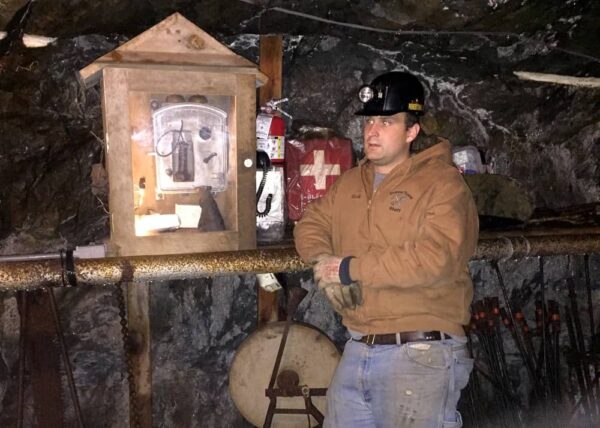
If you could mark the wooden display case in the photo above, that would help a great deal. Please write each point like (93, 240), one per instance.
(179, 121)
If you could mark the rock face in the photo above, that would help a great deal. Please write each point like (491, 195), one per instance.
(51, 132)
(567, 23)
(528, 131)
(544, 136)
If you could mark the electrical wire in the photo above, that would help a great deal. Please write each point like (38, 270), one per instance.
(380, 30)
(178, 144)
(413, 32)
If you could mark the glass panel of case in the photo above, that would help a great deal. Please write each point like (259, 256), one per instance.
(180, 163)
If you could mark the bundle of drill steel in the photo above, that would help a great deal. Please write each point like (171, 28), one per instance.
(555, 398)
(583, 362)
(491, 364)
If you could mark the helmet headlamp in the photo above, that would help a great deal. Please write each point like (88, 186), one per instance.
(366, 94)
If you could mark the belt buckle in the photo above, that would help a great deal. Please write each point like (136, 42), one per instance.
(370, 339)
(432, 335)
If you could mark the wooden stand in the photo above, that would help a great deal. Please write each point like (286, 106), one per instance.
(270, 64)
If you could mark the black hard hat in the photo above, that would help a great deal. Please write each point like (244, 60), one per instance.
(392, 93)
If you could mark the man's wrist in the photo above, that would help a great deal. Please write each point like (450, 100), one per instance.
(344, 272)
(354, 269)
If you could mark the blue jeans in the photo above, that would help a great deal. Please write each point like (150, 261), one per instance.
(414, 385)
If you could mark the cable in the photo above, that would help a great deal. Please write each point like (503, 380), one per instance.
(269, 199)
(414, 32)
(178, 144)
(380, 30)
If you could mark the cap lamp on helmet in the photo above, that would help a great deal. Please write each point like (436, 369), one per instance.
(392, 93)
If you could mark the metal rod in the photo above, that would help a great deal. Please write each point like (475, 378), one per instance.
(544, 334)
(29, 257)
(581, 353)
(520, 342)
(588, 286)
(583, 397)
(30, 274)
(555, 323)
(491, 345)
(576, 361)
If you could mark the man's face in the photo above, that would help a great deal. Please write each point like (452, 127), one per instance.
(387, 141)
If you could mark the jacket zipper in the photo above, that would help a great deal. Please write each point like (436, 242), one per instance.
(362, 312)
(369, 216)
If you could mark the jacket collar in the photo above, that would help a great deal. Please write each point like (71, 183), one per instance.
(440, 151)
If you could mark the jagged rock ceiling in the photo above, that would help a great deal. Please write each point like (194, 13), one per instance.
(565, 24)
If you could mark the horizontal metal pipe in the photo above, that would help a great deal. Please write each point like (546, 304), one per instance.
(29, 257)
(505, 247)
(545, 231)
(25, 275)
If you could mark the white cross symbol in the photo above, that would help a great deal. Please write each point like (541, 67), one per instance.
(319, 169)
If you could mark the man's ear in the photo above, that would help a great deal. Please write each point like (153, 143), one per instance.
(412, 132)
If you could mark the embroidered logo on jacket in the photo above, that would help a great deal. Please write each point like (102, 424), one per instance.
(397, 199)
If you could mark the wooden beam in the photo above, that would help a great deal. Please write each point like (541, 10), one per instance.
(138, 319)
(92, 74)
(271, 64)
(43, 357)
(584, 82)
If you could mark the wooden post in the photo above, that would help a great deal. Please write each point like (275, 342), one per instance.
(43, 358)
(271, 64)
(138, 308)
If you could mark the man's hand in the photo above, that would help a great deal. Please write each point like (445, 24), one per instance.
(341, 296)
(333, 292)
(327, 269)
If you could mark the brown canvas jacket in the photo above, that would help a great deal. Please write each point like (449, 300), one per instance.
(411, 238)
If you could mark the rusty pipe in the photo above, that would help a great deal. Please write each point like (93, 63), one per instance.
(28, 275)
(506, 247)
(24, 275)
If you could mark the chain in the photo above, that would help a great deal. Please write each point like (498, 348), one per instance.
(119, 295)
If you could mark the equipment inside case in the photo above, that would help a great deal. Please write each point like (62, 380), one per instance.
(190, 144)
(182, 168)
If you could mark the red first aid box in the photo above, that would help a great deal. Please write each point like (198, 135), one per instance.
(312, 166)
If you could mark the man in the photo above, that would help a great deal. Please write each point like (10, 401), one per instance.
(391, 241)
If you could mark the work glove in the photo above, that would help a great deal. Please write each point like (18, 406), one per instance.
(352, 295)
(333, 292)
(341, 296)
(327, 269)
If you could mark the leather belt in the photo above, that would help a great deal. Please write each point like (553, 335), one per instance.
(406, 336)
